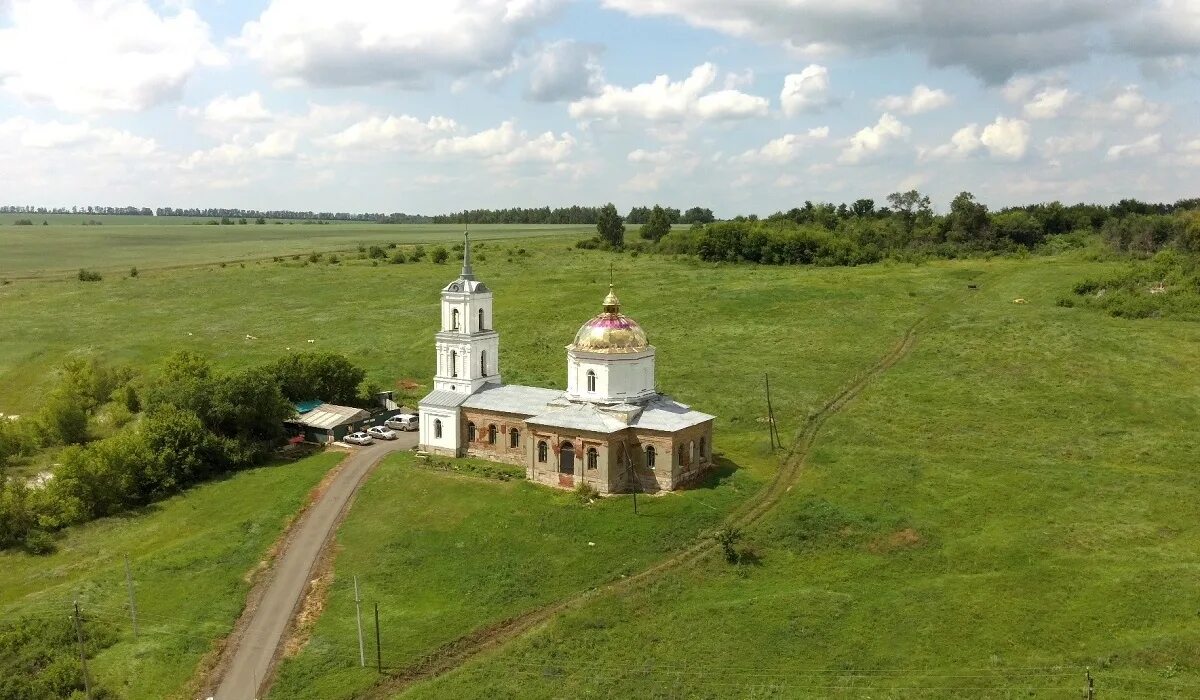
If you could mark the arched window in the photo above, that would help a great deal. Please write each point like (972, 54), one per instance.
(593, 458)
(481, 319)
(491, 435)
(437, 428)
(483, 363)
(650, 456)
(514, 438)
(471, 433)
(591, 379)
(703, 454)
(454, 320)
(542, 451)
(682, 458)
(453, 363)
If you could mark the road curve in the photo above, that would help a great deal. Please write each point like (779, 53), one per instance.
(248, 658)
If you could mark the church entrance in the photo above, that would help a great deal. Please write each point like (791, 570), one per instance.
(566, 464)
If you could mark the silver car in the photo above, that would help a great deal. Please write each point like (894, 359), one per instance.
(381, 433)
(359, 438)
(404, 421)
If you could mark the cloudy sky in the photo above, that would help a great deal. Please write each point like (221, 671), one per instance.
(755, 105)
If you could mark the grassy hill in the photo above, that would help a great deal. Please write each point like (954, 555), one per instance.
(1007, 505)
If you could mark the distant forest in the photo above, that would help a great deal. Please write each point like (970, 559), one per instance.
(810, 212)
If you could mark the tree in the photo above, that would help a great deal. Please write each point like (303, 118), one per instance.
(1018, 226)
(657, 225)
(698, 215)
(318, 375)
(909, 206)
(863, 208)
(968, 219)
(609, 226)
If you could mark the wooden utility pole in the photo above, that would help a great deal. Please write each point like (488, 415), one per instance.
(87, 683)
(774, 436)
(132, 600)
(378, 648)
(362, 655)
(1090, 692)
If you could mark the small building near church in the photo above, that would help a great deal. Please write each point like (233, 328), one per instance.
(610, 429)
(326, 422)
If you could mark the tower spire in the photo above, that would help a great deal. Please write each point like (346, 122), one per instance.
(467, 273)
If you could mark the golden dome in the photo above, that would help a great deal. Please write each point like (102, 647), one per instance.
(611, 331)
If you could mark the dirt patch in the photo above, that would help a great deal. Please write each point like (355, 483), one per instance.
(409, 384)
(312, 607)
(907, 538)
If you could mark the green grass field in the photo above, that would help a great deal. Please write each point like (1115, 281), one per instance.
(189, 556)
(1008, 505)
(121, 242)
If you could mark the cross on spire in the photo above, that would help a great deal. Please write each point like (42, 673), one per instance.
(467, 273)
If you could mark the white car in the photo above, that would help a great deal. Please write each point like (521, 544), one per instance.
(404, 421)
(359, 438)
(381, 433)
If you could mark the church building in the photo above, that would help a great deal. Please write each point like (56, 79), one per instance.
(610, 429)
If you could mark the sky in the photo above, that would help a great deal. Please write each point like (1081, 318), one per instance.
(747, 106)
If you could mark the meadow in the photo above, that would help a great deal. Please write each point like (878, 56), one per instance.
(1009, 504)
(64, 245)
(190, 558)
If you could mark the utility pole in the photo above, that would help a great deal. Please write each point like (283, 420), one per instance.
(87, 683)
(774, 436)
(132, 601)
(378, 648)
(1090, 693)
(362, 655)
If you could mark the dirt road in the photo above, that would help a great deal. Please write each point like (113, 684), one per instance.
(251, 652)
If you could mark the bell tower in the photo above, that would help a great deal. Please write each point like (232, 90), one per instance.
(468, 350)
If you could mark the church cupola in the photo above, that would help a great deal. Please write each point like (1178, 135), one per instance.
(611, 361)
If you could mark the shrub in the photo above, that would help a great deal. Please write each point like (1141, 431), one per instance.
(418, 253)
(314, 257)
(377, 252)
(333, 259)
(440, 255)
(39, 542)
(584, 493)
(133, 272)
(23, 222)
(89, 275)
(727, 538)
(398, 258)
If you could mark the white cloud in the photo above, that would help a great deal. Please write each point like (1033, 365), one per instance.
(1146, 146)
(392, 132)
(505, 145)
(1055, 146)
(404, 42)
(664, 100)
(247, 108)
(873, 140)
(87, 57)
(806, 91)
(77, 137)
(1049, 103)
(659, 157)
(993, 40)
(565, 70)
(921, 99)
(274, 146)
(1129, 104)
(1006, 139)
(786, 148)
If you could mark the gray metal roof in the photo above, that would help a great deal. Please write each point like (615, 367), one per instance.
(512, 398)
(443, 398)
(668, 415)
(329, 415)
(579, 417)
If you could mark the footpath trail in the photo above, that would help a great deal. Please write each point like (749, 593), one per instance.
(248, 659)
(461, 651)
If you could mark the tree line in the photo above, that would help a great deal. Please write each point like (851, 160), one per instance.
(127, 441)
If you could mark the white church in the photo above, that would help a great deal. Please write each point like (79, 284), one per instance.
(610, 429)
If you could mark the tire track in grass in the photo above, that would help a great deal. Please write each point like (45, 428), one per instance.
(464, 649)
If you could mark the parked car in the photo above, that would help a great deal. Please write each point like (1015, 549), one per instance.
(404, 422)
(359, 438)
(381, 433)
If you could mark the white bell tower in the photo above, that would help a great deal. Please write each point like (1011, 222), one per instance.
(468, 350)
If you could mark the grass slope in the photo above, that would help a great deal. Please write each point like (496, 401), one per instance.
(189, 555)
(1012, 503)
(64, 245)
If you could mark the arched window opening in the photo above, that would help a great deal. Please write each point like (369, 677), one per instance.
(650, 456)
(437, 428)
(483, 363)
(471, 432)
(454, 320)
(566, 457)
(491, 435)
(514, 438)
(703, 453)
(682, 457)
(591, 381)
(481, 326)
(543, 449)
(453, 363)
(593, 458)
